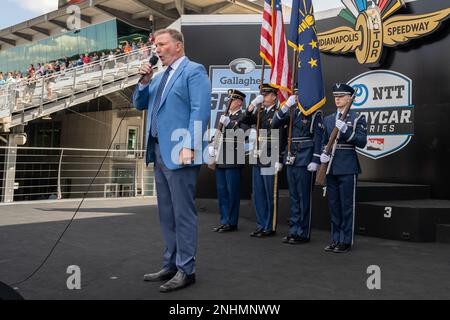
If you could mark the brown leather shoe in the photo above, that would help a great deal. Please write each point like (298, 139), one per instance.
(161, 275)
(179, 281)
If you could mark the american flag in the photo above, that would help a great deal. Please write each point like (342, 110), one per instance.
(274, 48)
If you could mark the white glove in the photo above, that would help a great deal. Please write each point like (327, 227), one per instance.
(258, 100)
(324, 158)
(211, 151)
(341, 125)
(313, 166)
(292, 100)
(285, 108)
(224, 120)
(278, 166)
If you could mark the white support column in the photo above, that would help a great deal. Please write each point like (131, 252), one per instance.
(9, 174)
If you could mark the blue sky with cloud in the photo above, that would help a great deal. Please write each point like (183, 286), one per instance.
(16, 11)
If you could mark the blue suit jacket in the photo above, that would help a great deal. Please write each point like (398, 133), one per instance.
(183, 116)
(346, 161)
(306, 127)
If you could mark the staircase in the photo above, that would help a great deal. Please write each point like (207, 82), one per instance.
(22, 103)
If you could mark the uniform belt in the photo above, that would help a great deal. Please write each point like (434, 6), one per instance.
(267, 139)
(232, 140)
(343, 146)
(303, 139)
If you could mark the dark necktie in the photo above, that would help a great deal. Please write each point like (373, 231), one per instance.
(156, 106)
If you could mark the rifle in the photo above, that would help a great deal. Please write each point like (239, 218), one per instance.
(218, 138)
(330, 150)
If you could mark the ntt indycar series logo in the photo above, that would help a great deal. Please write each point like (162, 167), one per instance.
(385, 98)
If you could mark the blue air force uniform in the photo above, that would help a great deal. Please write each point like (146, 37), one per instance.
(265, 197)
(343, 170)
(307, 132)
(229, 167)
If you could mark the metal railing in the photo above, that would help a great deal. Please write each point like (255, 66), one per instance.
(61, 173)
(36, 92)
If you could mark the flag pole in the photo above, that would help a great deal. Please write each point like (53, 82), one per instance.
(258, 113)
(291, 110)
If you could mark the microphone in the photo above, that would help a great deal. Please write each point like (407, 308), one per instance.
(153, 61)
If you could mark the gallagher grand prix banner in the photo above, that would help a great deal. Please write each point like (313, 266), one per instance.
(242, 74)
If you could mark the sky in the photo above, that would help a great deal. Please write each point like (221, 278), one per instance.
(16, 11)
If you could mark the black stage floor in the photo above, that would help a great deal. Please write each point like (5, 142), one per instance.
(115, 242)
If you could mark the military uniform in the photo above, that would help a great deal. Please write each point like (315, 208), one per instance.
(307, 132)
(229, 167)
(343, 170)
(265, 197)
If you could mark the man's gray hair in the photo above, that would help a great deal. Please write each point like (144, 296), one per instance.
(174, 34)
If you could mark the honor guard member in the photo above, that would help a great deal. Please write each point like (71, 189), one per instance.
(229, 167)
(343, 167)
(265, 193)
(301, 161)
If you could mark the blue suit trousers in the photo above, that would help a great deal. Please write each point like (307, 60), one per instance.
(177, 214)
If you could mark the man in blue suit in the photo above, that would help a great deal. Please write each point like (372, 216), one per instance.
(343, 167)
(301, 162)
(179, 106)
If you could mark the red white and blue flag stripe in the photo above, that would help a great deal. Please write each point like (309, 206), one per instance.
(274, 48)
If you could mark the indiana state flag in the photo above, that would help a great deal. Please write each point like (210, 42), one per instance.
(303, 38)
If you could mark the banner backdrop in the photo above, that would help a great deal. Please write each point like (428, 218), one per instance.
(405, 98)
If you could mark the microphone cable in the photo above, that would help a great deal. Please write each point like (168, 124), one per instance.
(153, 61)
(76, 211)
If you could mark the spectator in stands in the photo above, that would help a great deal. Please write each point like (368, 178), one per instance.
(151, 39)
(57, 66)
(2, 81)
(95, 59)
(119, 56)
(40, 70)
(10, 79)
(111, 60)
(50, 80)
(103, 59)
(127, 50)
(66, 62)
(19, 81)
(31, 86)
(80, 61)
(86, 59)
